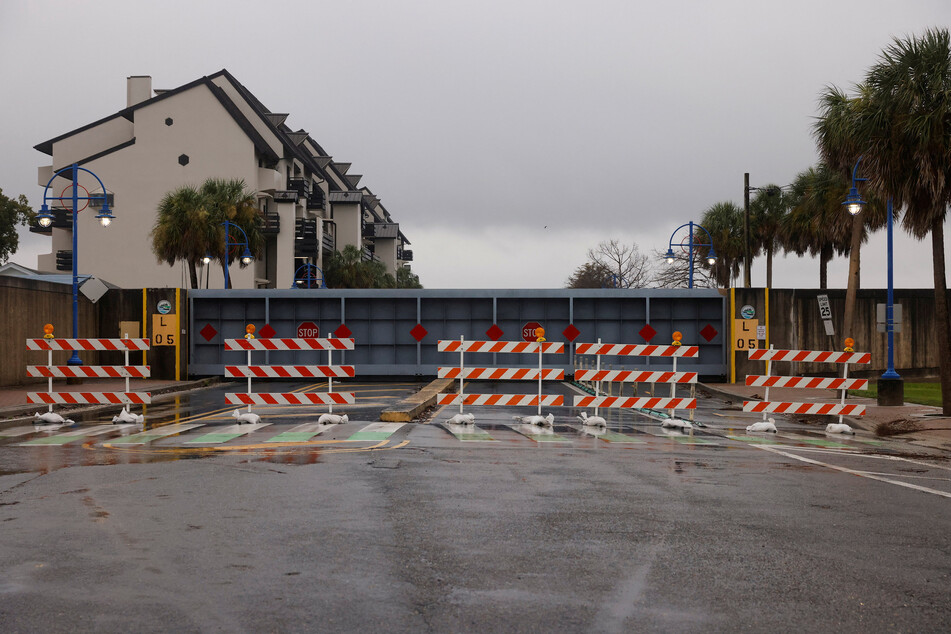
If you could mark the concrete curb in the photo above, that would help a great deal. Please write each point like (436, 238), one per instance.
(412, 406)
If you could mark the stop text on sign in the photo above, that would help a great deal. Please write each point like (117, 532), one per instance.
(308, 330)
(528, 331)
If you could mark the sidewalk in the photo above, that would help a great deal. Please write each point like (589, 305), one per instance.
(14, 406)
(921, 424)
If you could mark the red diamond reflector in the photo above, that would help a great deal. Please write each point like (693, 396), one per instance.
(647, 333)
(571, 333)
(494, 333)
(342, 332)
(709, 332)
(418, 332)
(208, 332)
(267, 332)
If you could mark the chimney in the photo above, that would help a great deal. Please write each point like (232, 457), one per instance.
(138, 89)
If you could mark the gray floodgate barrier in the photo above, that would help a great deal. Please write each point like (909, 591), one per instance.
(396, 330)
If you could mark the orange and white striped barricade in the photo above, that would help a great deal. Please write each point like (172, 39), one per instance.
(673, 377)
(843, 384)
(462, 373)
(250, 371)
(50, 371)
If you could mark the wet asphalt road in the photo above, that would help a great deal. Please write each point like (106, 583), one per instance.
(422, 531)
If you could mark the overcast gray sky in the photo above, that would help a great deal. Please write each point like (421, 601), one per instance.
(479, 124)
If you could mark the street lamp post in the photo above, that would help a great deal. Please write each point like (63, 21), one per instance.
(45, 219)
(691, 245)
(306, 276)
(246, 257)
(891, 387)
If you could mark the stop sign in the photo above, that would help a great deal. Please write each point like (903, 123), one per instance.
(307, 330)
(528, 331)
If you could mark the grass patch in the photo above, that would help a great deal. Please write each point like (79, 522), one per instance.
(921, 393)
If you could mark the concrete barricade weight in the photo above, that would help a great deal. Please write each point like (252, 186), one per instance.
(328, 371)
(462, 373)
(843, 384)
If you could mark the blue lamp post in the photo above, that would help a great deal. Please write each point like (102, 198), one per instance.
(45, 219)
(891, 390)
(691, 245)
(246, 257)
(307, 276)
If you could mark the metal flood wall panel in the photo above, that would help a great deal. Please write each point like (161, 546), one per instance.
(381, 322)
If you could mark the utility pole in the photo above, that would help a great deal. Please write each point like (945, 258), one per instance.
(747, 280)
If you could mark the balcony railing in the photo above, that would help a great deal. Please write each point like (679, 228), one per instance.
(305, 238)
(272, 222)
(316, 198)
(404, 255)
(329, 242)
(64, 260)
(299, 185)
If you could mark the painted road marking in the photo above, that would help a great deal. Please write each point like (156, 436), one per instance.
(539, 434)
(301, 433)
(145, 437)
(75, 435)
(376, 431)
(863, 474)
(765, 440)
(227, 433)
(22, 431)
(607, 436)
(468, 433)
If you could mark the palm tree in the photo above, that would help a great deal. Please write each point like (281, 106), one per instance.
(228, 200)
(836, 137)
(766, 213)
(724, 221)
(815, 223)
(901, 125)
(183, 230)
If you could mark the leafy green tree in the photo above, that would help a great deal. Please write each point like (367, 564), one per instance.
(900, 123)
(901, 126)
(590, 275)
(836, 138)
(815, 223)
(348, 269)
(183, 230)
(405, 278)
(13, 212)
(228, 200)
(188, 225)
(724, 221)
(767, 210)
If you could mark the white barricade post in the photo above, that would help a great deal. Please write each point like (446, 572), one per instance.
(843, 384)
(501, 374)
(673, 377)
(50, 371)
(249, 371)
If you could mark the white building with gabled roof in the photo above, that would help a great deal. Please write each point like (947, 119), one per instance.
(212, 127)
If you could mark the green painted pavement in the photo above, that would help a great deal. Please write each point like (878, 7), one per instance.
(754, 439)
(293, 436)
(619, 438)
(692, 440)
(52, 440)
(376, 431)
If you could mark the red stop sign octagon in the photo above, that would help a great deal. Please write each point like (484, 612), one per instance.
(307, 330)
(528, 331)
